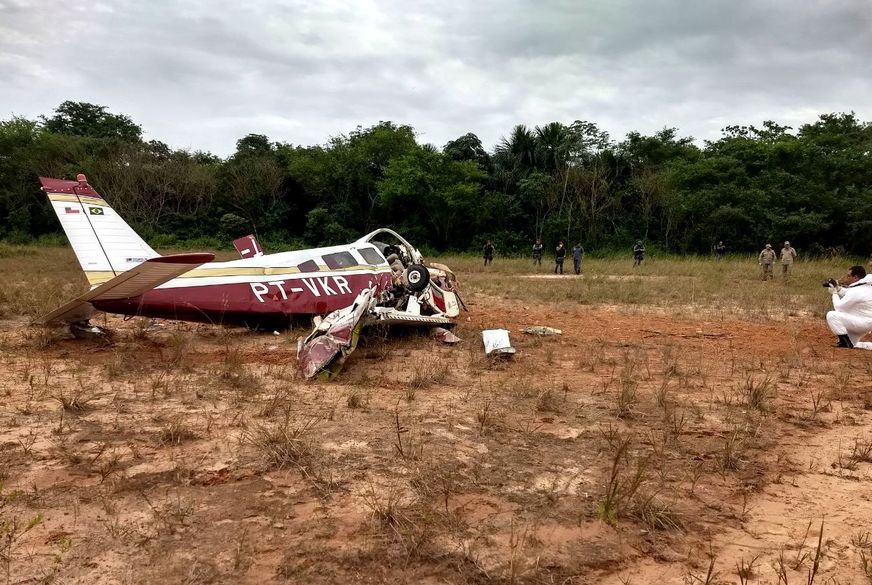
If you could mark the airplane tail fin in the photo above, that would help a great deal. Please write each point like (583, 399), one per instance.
(103, 242)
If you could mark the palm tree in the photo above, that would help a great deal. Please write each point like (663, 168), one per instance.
(519, 149)
(552, 146)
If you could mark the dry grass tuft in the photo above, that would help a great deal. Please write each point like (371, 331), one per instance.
(548, 400)
(12, 530)
(177, 350)
(428, 372)
(624, 480)
(627, 398)
(758, 394)
(730, 457)
(357, 398)
(282, 445)
(861, 451)
(73, 400)
(235, 373)
(176, 431)
(386, 506)
(655, 514)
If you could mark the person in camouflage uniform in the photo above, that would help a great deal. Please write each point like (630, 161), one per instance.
(766, 260)
(788, 255)
(638, 253)
(537, 253)
(488, 252)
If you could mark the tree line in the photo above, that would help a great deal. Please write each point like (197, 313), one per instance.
(811, 185)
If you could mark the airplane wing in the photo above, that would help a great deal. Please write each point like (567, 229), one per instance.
(132, 283)
(335, 337)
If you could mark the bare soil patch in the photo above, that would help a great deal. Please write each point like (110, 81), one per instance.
(631, 449)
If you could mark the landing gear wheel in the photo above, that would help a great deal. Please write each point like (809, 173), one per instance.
(418, 277)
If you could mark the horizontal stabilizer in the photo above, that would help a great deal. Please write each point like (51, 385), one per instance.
(127, 285)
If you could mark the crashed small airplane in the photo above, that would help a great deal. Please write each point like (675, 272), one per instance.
(380, 278)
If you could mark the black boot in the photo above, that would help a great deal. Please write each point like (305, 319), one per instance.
(845, 341)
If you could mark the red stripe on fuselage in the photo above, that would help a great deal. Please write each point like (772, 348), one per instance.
(239, 304)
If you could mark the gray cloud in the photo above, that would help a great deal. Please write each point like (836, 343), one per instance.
(203, 74)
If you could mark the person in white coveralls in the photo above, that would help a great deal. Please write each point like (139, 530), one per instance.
(851, 317)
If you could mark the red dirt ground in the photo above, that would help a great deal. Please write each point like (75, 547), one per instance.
(429, 463)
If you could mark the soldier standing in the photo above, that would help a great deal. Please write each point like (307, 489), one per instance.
(559, 256)
(766, 260)
(488, 253)
(719, 250)
(537, 253)
(577, 255)
(638, 253)
(788, 254)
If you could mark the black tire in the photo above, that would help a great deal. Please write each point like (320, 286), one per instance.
(418, 277)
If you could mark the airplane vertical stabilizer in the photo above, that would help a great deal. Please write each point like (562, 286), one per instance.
(103, 242)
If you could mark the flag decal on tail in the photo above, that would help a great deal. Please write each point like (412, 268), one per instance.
(71, 210)
(95, 210)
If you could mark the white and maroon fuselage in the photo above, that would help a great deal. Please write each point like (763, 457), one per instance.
(266, 290)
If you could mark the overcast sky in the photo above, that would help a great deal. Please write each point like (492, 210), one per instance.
(200, 74)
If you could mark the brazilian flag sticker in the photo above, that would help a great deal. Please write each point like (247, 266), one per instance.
(96, 210)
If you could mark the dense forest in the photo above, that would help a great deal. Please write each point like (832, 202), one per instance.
(811, 185)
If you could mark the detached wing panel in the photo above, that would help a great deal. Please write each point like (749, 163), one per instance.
(394, 317)
(127, 285)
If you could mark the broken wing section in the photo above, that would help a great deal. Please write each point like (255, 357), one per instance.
(324, 351)
(127, 285)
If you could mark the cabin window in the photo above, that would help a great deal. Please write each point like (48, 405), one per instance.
(339, 260)
(371, 256)
(308, 266)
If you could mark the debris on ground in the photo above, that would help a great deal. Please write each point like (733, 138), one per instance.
(444, 335)
(541, 330)
(87, 331)
(334, 338)
(496, 342)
